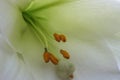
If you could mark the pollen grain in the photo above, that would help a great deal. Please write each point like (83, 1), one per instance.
(65, 54)
(53, 59)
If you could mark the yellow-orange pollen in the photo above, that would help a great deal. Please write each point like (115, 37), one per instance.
(53, 59)
(50, 57)
(65, 54)
(71, 76)
(59, 37)
(46, 57)
(63, 38)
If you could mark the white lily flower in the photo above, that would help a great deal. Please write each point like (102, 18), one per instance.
(33, 33)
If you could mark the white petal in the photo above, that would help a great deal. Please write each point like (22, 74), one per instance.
(12, 23)
(114, 44)
(91, 57)
(13, 27)
(21, 4)
(93, 60)
(10, 19)
(11, 67)
(96, 16)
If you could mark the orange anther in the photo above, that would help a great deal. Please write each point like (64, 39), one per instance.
(63, 38)
(46, 57)
(71, 76)
(65, 54)
(57, 37)
(53, 59)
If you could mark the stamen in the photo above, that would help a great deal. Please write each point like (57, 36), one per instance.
(71, 76)
(65, 54)
(63, 38)
(57, 37)
(37, 31)
(46, 57)
(53, 59)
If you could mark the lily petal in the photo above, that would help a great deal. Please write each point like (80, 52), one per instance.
(84, 16)
(93, 60)
(11, 67)
(91, 24)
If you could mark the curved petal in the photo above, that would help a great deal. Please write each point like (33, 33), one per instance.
(98, 17)
(84, 25)
(114, 45)
(11, 67)
(14, 27)
(21, 4)
(93, 60)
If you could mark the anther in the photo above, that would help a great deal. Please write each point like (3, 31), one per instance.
(65, 54)
(71, 76)
(46, 56)
(53, 59)
(57, 37)
(63, 38)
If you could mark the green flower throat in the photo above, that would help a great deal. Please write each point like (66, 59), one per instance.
(43, 35)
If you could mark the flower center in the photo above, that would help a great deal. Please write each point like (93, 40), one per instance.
(32, 21)
(64, 68)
